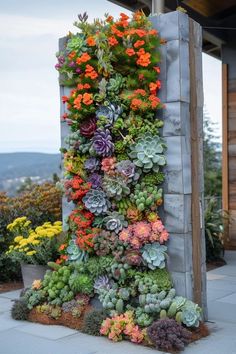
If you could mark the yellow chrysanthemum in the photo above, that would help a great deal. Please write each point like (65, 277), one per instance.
(30, 253)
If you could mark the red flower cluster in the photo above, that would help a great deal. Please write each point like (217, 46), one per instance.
(76, 188)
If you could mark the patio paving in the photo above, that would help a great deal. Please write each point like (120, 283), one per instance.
(21, 337)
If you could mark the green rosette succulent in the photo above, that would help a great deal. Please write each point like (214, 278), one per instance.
(115, 222)
(154, 255)
(191, 314)
(115, 187)
(147, 152)
(75, 253)
(96, 201)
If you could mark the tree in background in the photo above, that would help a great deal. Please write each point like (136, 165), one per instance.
(214, 216)
(212, 158)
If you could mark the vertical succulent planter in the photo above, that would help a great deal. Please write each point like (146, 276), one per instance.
(119, 165)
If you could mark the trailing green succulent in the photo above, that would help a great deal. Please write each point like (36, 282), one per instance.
(145, 197)
(147, 153)
(123, 205)
(153, 179)
(154, 255)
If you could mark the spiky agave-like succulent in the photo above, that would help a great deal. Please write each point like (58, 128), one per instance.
(154, 255)
(147, 152)
(115, 222)
(102, 143)
(115, 187)
(96, 201)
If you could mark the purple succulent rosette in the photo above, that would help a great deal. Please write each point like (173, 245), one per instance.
(127, 169)
(96, 180)
(102, 143)
(92, 164)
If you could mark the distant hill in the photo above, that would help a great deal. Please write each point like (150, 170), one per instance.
(14, 167)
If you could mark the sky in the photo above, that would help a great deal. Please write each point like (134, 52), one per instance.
(29, 94)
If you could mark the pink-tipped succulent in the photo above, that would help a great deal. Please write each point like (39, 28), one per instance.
(108, 165)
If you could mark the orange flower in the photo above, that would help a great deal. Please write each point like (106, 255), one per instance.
(62, 247)
(91, 41)
(116, 31)
(77, 102)
(157, 69)
(80, 87)
(153, 32)
(153, 86)
(144, 59)
(83, 59)
(87, 99)
(138, 43)
(123, 16)
(140, 92)
(135, 104)
(72, 55)
(109, 19)
(112, 41)
(137, 16)
(141, 33)
(64, 99)
(90, 72)
(155, 101)
(87, 86)
(130, 52)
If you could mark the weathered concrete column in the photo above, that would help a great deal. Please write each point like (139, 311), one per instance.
(173, 27)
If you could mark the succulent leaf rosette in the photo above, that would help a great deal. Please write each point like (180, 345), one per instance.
(115, 222)
(96, 201)
(154, 255)
(102, 143)
(147, 153)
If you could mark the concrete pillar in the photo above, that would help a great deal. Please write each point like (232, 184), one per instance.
(173, 27)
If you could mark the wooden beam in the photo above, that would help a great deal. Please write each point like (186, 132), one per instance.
(194, 131)
(210, 7)
(225, 155)
(225, 161)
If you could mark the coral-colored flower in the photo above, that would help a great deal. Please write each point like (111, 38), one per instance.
(64, 99)
(141, 33)
(62, 247)
(123, 16)
(112, 41)
(91, 41)
(117, 32)
(130, 52)
(87, 99)
(164, 236)
(72, 55)
(77, 102)
(90, 72)
(83, 58)
(144, 59)
(80, 87)
(140, 92)
(153, 32)
(109, 19)
(157, 69)
(139, 43)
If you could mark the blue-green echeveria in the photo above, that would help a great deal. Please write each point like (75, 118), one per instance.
(191, 314)
(147, 152)
(75, 253)
(154, 255)
(115, 222)
(96, 201)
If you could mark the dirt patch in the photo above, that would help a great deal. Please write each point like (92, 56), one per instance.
(5, 287)
(215, 264)
(199, 332)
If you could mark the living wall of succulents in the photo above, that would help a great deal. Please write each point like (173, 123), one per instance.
(116, 245)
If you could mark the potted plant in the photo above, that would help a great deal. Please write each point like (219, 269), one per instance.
(33, 248)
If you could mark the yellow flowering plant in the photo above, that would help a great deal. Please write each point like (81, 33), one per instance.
(34, 246)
